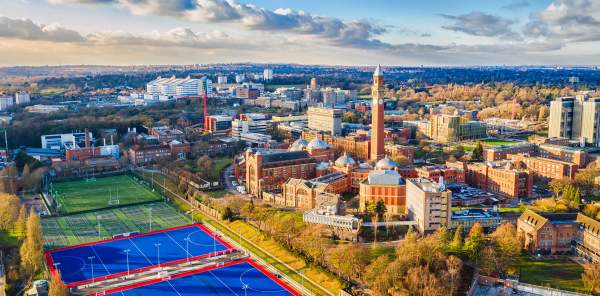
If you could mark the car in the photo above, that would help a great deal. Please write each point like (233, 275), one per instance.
(235, 183)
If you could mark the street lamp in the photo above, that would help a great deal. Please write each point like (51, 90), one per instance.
(150, 218)
(157, 245)
(245, 287)
(56, 267)
(92, 265)
(127, 258)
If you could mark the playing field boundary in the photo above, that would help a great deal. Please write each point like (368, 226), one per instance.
(54, 271)
(139, 203)
(201, 270)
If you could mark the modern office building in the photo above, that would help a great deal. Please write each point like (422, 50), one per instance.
(452, 128)
(179, 87)
(325, 119)
(65, 141)
(22, 98)
(218, 125)
(249, 123)
(428, 203)
(268, 74)
(576, 118)
(222, 79)
(6, 102)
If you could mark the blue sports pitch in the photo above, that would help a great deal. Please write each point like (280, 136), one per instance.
(112, 258)
(240, 278)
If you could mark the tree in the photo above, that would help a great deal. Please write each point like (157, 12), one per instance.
(477, 154)
(227, 214)
(204, 163)
(591, 277)
(557, 186)
(380, 209)
(9, 211)
(21, 223)
(457, 240)
(349, 260)
(474, 242)
(507, 246)
(31, 251)
(57, 286)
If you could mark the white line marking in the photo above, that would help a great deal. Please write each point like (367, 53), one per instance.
(169, 282)
(140, 251)
(186, 251)
(225, 285)
(100, 259)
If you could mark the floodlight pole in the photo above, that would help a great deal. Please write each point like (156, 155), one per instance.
(92, 265)
(56, 267)
(245, 287)
(158, 253)
(127, 258)
(187, 248)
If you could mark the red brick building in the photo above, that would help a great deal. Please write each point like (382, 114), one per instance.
(545, 167)
(140, 155)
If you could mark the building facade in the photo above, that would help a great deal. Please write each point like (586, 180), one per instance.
(452, 128)
(576, 118)
(428, 203)
(547, 233)
(325, 119)
(545, 167)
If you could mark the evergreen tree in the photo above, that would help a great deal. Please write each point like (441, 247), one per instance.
(477, 152)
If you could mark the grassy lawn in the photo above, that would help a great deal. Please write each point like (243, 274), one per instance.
(52, 90)
(556, 273)
(82, 195)
(82, 228)
(8, 240)
(216, 194)
(497, 142)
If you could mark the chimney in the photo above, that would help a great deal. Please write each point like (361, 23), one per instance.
(87, 138)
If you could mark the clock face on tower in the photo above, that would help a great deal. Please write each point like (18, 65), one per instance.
(380, 101)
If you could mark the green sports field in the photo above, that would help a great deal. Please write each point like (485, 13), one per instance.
(85, 195)
(82, 228)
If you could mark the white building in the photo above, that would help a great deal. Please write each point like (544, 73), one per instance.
(255, 138)
(222, 79)
(6, 102)
(268, 74)
(428, 203)
(62, 141)
(249, 123)
(327, 216)
(22, 98)
(239, 78)
(325, 119)
(45, 108)
(179, 87)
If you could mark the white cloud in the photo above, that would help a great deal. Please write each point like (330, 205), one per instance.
(28, 30)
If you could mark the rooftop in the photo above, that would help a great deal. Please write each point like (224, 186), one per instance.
(285, 156)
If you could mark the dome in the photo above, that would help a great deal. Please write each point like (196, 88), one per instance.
(317, 143)
(386, 164)
(298, 145)
(344, 161)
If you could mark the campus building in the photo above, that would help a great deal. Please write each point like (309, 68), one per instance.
(576, 118)
(218, 125)
(500, 152)
(325, 119)
(576, 155)
(386, 184)
(179, 87)
(453, 128)
(249, 123)
(500, 177)
(548, 233)
(545, 167)
(140, 155)
(428, 203)
(267, 170)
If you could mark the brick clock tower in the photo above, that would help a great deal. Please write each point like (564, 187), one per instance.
(377, 135)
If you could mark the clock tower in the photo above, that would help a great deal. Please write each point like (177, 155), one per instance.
(377, 126)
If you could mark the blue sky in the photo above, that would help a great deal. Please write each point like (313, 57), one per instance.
(40, 32)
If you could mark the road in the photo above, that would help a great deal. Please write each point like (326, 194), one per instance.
(227, 181)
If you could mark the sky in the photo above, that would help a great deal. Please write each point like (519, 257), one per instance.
(329, 32)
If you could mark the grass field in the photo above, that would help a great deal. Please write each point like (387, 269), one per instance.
(497, 142)
(52, 90)
(555, 273)
(8, 239)
(82, 195)
(82, 228)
